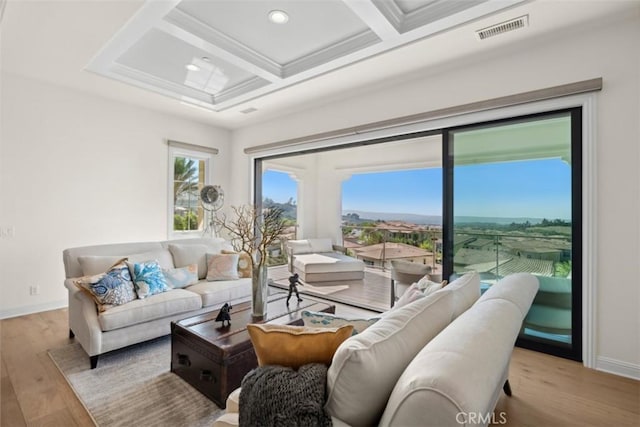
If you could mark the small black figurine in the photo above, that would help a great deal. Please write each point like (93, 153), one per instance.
(293, 287)
(224, 314)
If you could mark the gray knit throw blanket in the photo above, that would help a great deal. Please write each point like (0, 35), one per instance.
(279, 396)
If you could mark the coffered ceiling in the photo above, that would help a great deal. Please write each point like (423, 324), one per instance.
(218, 54)
(246, 68)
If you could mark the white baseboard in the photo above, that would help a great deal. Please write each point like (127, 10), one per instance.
(30, 309)
(617, 367)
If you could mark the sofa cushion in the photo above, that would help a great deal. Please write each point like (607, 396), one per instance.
(163, 256)
(154, 307)
(321, 245)
(184, 255)
(219, 292)
(466, 291)
(97, 264)
(366, 366)
(294, 346)
(222, 266)
(462, 370)
(299, 247)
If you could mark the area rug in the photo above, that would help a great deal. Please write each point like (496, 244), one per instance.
(133, 386)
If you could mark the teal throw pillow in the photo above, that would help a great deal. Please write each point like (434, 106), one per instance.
(148, 278)
(328, 320)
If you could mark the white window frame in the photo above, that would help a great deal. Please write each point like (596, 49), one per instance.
(191, 151)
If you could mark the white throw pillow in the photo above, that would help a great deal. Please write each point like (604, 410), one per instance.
(319, 246)
(427, 287)
(185, 254)
(366, 367)
(299, 247)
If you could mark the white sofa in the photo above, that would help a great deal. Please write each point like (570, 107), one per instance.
(439, 361)
(148, 318)
(315, 260)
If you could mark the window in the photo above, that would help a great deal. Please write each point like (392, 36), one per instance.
(514, 202)
(189, 172)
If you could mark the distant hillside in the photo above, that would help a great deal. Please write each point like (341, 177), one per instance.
(289, 209)
(495, 220)
(386, 216)
(436, 219)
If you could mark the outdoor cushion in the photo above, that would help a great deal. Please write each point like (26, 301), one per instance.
(320, 245)
(332, 262)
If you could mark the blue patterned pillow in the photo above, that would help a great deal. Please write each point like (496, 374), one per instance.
(111, 288)
(181, 277)
(148, 278)
(328, 320)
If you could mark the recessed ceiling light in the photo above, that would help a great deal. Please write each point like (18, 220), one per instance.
(192, 67)
(278, 17)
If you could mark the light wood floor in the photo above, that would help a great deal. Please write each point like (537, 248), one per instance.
(547, 391)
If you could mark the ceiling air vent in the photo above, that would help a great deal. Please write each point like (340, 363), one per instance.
(503, 27)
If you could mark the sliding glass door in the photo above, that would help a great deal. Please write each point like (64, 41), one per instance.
(513, 204)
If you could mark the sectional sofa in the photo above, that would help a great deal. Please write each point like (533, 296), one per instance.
(143, 319)
(441, 360)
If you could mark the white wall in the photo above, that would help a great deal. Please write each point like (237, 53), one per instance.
(76, 169)
(608, 50)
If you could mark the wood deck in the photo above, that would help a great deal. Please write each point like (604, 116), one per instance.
(372, 293)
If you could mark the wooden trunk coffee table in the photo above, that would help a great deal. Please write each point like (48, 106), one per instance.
(214, 359)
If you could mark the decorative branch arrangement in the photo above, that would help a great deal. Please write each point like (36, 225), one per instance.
(251, 232)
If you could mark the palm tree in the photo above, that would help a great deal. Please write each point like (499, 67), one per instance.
(185, 177)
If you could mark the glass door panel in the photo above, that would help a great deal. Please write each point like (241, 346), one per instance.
(514, 206)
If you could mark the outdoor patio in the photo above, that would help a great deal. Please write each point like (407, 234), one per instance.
(373, 292)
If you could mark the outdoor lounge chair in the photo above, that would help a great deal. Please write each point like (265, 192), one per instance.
(316, 260)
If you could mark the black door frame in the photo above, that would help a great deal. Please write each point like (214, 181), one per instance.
(575, 351)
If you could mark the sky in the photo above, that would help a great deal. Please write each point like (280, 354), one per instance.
(527, 189)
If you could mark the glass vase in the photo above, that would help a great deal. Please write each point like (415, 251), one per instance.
(259, 292)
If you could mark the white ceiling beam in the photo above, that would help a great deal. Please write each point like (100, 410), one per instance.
(127, 36)
(214, 50)
(371, 15)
